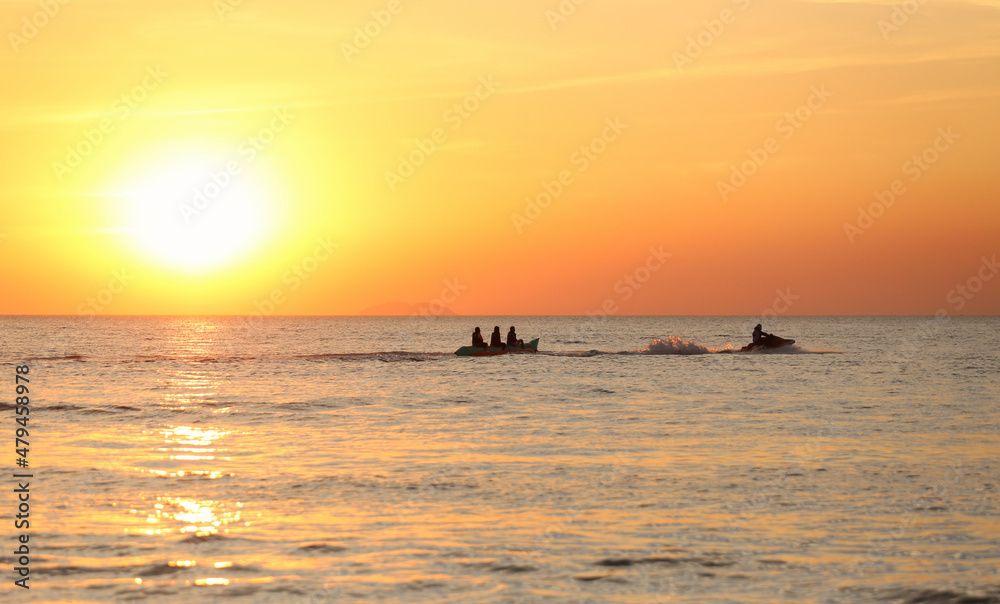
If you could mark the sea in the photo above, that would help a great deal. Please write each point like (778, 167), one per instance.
(632, 460)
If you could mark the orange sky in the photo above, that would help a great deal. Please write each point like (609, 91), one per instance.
(201, 157)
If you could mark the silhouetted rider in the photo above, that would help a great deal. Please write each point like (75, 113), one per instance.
(477, 339)
(496, 340)
(512, 341)
(759, 335)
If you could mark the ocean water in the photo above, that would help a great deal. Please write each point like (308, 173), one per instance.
(635, 459)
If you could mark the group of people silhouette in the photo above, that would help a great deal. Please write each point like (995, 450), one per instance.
(496, 340)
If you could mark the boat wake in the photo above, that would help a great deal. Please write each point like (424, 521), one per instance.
(385, 357)
(676, 345)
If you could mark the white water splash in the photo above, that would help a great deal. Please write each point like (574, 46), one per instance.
(674, 345)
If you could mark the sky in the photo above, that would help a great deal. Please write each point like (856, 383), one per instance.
(632, 157)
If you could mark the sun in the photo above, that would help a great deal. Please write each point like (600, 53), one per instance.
(198, 213)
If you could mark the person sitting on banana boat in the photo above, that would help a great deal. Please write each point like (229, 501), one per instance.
(512, 341)
(496, 340)
(477, 339)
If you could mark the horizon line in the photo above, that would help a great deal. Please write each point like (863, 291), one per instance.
(454, 316)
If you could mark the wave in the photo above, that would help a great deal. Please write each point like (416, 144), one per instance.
(67, 357)
(671, 345)
(385, 357)
(676, 345)
(793, 349)
(576, 354)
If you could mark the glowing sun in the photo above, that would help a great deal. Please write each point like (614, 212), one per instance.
(198, 213)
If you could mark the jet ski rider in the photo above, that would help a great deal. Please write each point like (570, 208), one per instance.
(759, 335)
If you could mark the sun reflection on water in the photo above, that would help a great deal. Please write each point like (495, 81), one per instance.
(194, 343)
(189, 387)
(201, 438)
(187, 435)
(184, 514)
(201, 517)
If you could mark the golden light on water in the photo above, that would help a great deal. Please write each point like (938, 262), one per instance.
(189, 387)
(181, 473)
(197, 511)
(186, 515)
(189, 435)
(182, 514)
(200, 438)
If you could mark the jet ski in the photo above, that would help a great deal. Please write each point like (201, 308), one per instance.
(474, 351)
(769, 342)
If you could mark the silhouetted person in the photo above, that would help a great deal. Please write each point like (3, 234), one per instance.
(477, 339)
(759, 336)
(512, 341)
(496, 340)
